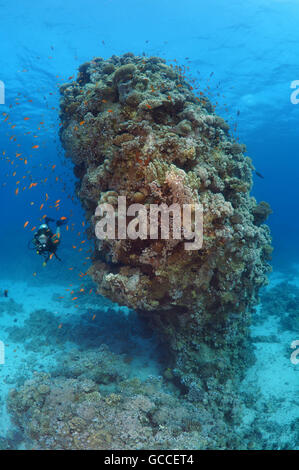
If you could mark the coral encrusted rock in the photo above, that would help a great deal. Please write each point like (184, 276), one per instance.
(134, 127)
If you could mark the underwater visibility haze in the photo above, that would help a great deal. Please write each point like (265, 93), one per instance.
(149, 294)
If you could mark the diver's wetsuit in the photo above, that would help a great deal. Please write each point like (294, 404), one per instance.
(45, 241)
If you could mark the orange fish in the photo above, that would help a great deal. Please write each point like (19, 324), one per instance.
(25, 224)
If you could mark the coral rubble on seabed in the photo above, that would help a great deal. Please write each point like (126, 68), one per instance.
(83, 395)
(133, 127)
(270, 389)
(84, 413)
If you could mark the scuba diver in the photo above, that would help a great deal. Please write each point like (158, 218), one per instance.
(45, 242)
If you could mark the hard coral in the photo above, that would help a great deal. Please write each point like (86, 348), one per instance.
(133, 127)
(81, 411)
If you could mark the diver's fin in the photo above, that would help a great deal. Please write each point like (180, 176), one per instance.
(57, 257)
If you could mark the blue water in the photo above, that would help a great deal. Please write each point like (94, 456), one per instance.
(245, 56)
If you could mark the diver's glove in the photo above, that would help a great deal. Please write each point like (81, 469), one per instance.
(61, 222)
(48, 219)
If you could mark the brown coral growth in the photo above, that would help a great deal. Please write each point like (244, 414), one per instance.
(147, 136)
